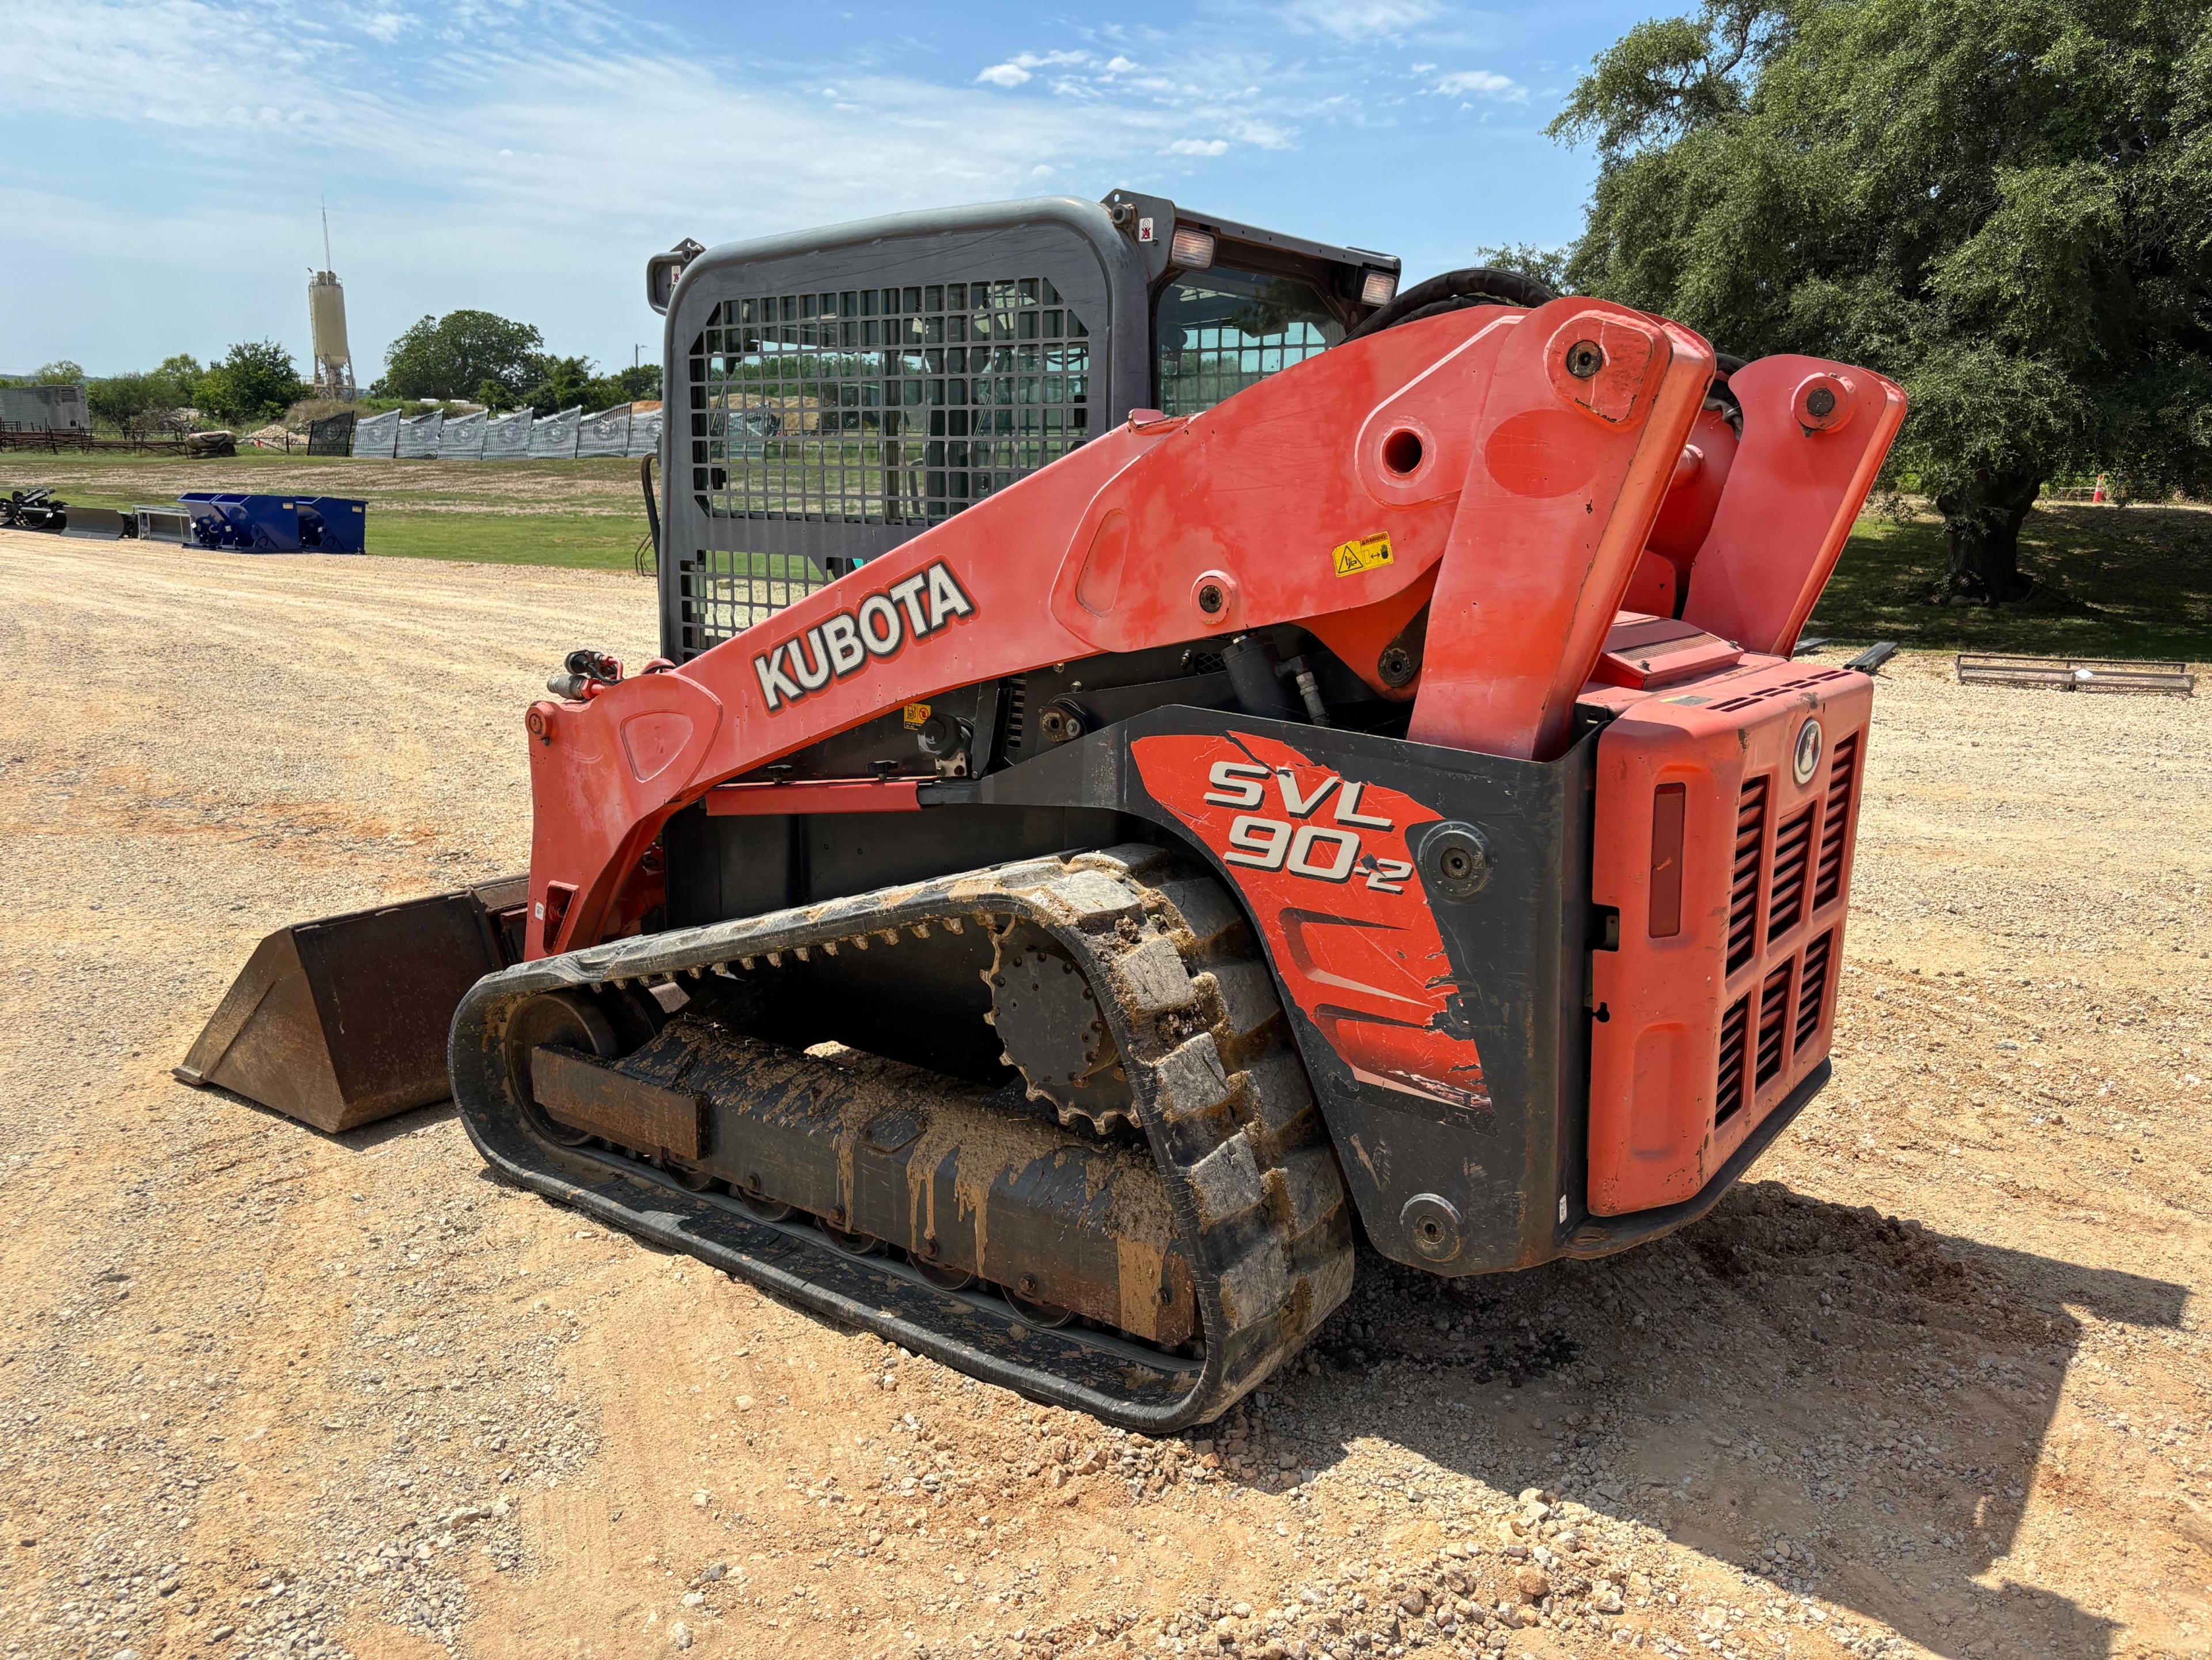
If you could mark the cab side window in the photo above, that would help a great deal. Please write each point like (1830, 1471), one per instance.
(1223, 330)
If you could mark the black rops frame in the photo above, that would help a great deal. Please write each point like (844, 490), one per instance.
(1087, 250)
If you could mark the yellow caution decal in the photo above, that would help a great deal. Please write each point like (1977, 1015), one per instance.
(1367, 553)
(916, 715)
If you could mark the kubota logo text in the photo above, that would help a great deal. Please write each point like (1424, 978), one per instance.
(877, 626)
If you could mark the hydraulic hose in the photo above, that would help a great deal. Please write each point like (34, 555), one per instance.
(1478, 285)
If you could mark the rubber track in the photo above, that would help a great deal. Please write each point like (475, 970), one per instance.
(1221, 1092)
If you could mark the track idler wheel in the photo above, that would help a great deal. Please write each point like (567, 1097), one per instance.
(752, 1204)
(1050, 1315)
(1048, 1020)
(854, 1245)
(573, 1020)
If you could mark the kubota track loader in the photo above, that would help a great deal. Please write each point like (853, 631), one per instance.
(1168, 752)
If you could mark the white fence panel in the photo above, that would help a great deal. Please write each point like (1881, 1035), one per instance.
(507, 438)
(419, 438)
(377, 434)
(645, 432)
(553, 437)
(606, 433)
(463, 439)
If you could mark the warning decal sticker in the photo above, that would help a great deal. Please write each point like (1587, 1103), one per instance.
(1368, 553)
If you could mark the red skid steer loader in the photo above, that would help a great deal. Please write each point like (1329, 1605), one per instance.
(1168, 752)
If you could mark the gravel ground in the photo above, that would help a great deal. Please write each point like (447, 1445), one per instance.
(1933, 1384)
(595, 486)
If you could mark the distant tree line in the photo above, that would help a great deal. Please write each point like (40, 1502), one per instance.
(487, 359)
(466, 356)
(254, 382)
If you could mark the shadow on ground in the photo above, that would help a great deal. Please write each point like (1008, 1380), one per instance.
(1833, 1400)
(1872, 1392)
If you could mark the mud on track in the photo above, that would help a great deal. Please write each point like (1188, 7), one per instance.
(1932, 1383)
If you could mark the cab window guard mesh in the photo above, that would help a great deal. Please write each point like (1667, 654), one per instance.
(723, 593)
(894, 405)
(1223, 330)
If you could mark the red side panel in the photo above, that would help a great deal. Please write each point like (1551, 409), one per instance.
(1720, 997)
(1814, 435)
(1321, 861)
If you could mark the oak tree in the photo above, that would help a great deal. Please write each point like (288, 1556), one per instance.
(2005, 204)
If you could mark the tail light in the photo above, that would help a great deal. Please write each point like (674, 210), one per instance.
(1668, 804)
(1191, 248)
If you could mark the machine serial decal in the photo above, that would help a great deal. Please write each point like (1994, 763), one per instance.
(1323, 861)
(1326, 852)
(875, 628)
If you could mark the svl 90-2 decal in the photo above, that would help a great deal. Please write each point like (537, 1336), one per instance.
(1328, 851)
(877, 628)
(1324, 863)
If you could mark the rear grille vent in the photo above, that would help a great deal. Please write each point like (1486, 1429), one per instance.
(1750, 853)
(1773, 1024)
(1728, 1089)
(1812, 990)
(1793, 846)
(1835, 823)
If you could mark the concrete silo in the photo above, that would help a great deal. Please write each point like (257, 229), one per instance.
(326, 321)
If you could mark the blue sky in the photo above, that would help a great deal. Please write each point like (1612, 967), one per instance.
(161, 163)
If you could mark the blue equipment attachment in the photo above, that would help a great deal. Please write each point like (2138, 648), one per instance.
(277, 523)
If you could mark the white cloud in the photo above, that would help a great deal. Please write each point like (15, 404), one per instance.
(1360, 20)
(1481, 83)
(515, 155)
(1018, 68)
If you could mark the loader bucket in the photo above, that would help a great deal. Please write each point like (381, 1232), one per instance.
(97, 525)
(344, 1021)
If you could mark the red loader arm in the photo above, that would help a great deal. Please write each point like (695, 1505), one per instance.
(1504, 467)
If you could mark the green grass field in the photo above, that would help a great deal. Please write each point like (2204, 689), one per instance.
(2130, 582)
(595, 541)
(588, 513)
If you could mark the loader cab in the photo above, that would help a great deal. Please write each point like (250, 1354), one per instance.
(834, 393)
